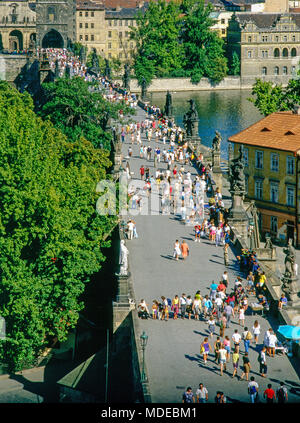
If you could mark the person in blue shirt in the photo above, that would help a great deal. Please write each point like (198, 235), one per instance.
(213, 290)
(207, 306)
(282, 302)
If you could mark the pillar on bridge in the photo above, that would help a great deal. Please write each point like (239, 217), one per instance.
(216, 160)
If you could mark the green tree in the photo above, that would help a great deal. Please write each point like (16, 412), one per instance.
(50, 233)
(77, 46)
(89, 61)
(158, 51)
(204, 49)
(269, 98)
(235, 68)
(78, 112)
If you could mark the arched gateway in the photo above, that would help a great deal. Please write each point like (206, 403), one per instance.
(53, 39)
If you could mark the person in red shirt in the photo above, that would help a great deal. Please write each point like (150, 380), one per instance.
(142, 172)
(270, 394)
(221, 287)
(197, 232)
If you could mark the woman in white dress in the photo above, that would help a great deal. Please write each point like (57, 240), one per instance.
(177, 250)
(256, 331)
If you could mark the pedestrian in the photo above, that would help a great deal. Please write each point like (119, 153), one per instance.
(165, 309)
(269, 394)
(223, 323)
(220, 398)
(211, 326)
(188, 396)
(202, 394)
(184, 249)
(226, 343)
(142, 172)
(182, 304)
(207, 306)
(256, 331)
(229, 312)
(262, 362)
(247, 336)
(272, 343)
(196, 307)
(130, 226)
(247, 366)
(281, 393)
(253, 390)
(225, 278)
(189, 306)
(266, 340)
(175, 307)
(217, 346)
(223, 358)
(204, 349)
(213, 290)
(177, 250)
(236, 337)
(242, 316)
(154, 310)
(235, 362)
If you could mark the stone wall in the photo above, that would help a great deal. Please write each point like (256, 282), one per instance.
(184, 84)
(11, 66)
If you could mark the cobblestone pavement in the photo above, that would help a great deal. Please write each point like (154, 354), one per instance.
(172, 353)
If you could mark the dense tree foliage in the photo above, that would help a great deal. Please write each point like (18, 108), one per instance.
(157, 49)
(235, 66)
(270, 98)
(176, 39)
(78, 111)
(50, 234)
(204, 49)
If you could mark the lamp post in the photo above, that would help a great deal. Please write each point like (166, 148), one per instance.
(144, 340)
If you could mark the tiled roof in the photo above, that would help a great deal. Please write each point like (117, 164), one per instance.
(124, 13)
(88, 5)
(280, 131)
(264, 20)
(114, 4)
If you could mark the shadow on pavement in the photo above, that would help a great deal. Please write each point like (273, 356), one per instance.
(169, 257)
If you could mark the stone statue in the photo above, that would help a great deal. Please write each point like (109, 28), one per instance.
(236, 174)
(144, 88)
(107, 69)
(289, 261)
(56, 70)
(216, 144)
(82, 55)
(123, 259)
(189, 119)
(168, 106)
(95, 60)
(67, 71)
(268, 243)
(126, 77)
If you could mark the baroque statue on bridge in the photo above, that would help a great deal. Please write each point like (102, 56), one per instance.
(126, 77)
(216, 144)
(144, 88)
(189, 119)
(289, 261)
(123, 259)
(236, 174)
(168, 106)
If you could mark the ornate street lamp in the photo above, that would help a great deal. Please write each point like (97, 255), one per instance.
(144, 340)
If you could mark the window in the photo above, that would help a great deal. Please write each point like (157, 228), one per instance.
(80, 13)
(249, 54)
(120, 45)
(285, 52)
(120, 22)
(249, 39)
(274, 162)
(86, 13)
(80, 38)
(115, 23)
(264, 54)
(131, 45)
(264, 38)
(258, 189)
(293, 52)
(274, 224)
(290, 165)
(126, 45)
(126, 23)
(109, 34)
(126, 34)
(120, 34)
(293, 38)
(293, 70)
(277, 38)
(92, 14)
(86, 38)
(92, 25)
(92, 38)
(80, 25)
(223, 31)
(109, 45)
(109, 23)
(51, 14)
(246, 156)
(246, 184)
(276, 52)
(276, 70)
(285, 38)
(259, 159)
(284, 70)
(86, 25)
(274, 192)
(264, 71)
(290, 196)
(222, 21)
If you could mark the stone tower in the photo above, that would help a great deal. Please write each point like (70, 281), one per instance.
(55, 23)
(276, 6)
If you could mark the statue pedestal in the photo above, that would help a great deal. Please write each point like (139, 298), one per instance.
(216, 169)
(237, 216)
(291, 288)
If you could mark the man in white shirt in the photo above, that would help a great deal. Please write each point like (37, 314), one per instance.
(272, 342)
(252, 389)
(219, 303)
(130, 226)
(202, 394)
(236, 337)
(222, 358)
(182, 304)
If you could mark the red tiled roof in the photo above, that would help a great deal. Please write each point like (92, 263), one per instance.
(280, 131)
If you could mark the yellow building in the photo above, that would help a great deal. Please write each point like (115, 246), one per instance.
(17, 24)
(221, 24)
(271, 158)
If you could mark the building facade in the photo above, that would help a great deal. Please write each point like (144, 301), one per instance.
(222, 18)
(17, 25)
(55, 23)
(272, 171)
(268, 45)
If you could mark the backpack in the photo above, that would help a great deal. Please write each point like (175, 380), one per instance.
(281, 395)
(252, 390)
(169, 302)
(249, 336)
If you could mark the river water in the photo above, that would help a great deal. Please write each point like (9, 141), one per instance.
(227, 111)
